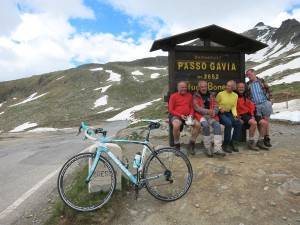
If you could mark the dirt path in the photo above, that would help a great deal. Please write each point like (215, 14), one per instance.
(245, 188)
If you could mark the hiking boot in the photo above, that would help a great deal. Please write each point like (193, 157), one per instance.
(252, 146)
(226, 148)
(261, 145)
(267, 141)
(191, 148)
(220, 153)
(234, 147)
(209, 153)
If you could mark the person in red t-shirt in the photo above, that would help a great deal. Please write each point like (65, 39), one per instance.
(245, 110)
(180, 109)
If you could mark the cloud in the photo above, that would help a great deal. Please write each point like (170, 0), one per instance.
(180, 16)
(37, 37)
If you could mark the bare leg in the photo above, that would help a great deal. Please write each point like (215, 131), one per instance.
(252, 129)
(195, 131)
(176, 130)
(263, 126)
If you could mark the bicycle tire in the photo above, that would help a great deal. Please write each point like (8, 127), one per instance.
(158, 154)
(65, 194)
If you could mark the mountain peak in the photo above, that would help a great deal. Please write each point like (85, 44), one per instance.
(290, 23)
(259, 24)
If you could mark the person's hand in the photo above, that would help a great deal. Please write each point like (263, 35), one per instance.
(211, 113)
(183, 117)
(222, 110)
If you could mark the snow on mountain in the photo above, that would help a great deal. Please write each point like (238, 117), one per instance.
(23, 127)
(128, 113)
(96, 69)
(106, 110)
(59, 78)
(113, 76)
(137, 73)
(101, 101)
(29, 99)
(1, 113)
(287, 111)
(155, 68)
(295, 77)
(103, 89)
(154, 75)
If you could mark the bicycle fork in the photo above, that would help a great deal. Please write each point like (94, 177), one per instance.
(93, 166)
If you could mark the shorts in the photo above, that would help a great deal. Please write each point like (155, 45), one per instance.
(264, 109)
(172, 118)
(246, 117)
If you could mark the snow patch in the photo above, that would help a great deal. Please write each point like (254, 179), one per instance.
(60, 78)
(101, 101)
(137, 73)
(263, 27)
(155, 68)
(96, 69)
(287, 79)
(262, 65)
(1, 113)
(128, 113)
(294, 54)
(23, 127)
(103, 89)
(293, 64)
(113, 76)
(29, 99)
(1, 104)
(106, 110)
(287, 48)
(287, 115)
(154, 75)
(46, 129)
(287, 110)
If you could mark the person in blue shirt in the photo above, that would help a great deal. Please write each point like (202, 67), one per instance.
(260, 94)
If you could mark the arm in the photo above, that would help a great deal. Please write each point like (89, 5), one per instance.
(199, 109)
(172, 106)
(192, 110)
(251, 107)
(233, 109)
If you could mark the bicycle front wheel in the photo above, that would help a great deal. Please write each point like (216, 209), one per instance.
(79, 194)
(168, 174)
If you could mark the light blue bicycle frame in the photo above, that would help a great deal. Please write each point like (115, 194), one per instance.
(103, 149)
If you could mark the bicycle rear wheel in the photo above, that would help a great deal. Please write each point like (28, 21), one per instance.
(76, 192)
(168, 174)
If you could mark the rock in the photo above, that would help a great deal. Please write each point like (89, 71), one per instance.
(292, 186)
(267, 179)
(207, 211)
(293, 210)
(261, 172)
(266, 188)
(197, 205)
(29, 216)
(253, 208)
(272, 203)
(284, 218)
(133, 212)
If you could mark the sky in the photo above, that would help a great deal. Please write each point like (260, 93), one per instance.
(40, 36)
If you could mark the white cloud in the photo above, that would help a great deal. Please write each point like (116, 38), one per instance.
(37, 37)
(180, 16)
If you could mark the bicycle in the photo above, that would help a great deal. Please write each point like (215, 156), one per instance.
(166, 173)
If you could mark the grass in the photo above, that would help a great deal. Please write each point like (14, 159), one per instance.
(63, 215)
(280, 91)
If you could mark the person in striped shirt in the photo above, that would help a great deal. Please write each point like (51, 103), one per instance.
(260, 94)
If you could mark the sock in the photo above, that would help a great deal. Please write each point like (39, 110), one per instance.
(176, 142)
(251, 138)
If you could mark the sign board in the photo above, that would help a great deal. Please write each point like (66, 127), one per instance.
(216, 67)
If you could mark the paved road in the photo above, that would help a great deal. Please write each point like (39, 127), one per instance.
(28, 170)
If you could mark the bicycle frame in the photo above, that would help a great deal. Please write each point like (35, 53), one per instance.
(104, 149)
